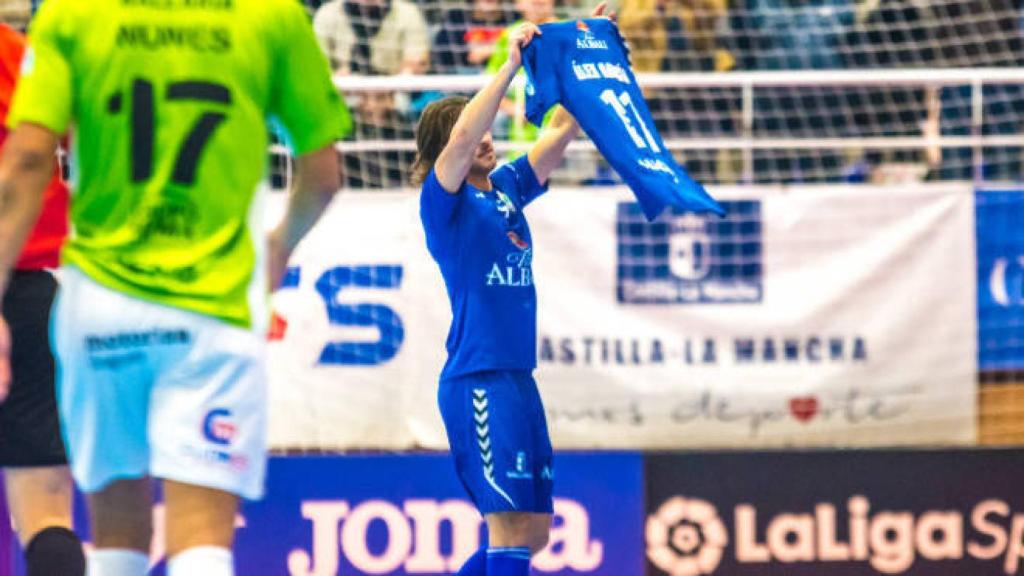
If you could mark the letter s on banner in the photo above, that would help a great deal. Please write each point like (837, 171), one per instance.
(386, 320)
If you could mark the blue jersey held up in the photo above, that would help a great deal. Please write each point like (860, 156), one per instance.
(483, 246)
(584, 65)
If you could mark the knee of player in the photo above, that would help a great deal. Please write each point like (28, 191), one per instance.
(539, 534)
(538, 539)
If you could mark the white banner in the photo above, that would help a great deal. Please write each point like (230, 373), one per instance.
(809, 316)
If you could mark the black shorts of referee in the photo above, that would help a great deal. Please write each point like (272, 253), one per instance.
(29, 425)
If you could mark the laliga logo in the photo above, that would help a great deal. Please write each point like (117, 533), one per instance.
(216, 427)
(685, 537)
(1006, 283)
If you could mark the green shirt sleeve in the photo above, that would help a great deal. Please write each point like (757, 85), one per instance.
(303, 98)
(44, 94)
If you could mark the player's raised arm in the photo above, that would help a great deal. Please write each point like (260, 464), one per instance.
(454, 161)
(548, 152)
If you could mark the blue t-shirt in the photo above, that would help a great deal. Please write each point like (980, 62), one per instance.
(584, 65)
(482, 244)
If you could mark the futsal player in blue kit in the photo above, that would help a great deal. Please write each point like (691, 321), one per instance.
(473, 217)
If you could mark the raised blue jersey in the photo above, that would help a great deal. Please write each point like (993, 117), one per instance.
(482, 244)
(584, 65)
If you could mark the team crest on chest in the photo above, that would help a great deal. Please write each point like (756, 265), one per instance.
(505, 205)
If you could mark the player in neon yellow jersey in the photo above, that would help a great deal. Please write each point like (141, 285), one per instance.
(159, 323)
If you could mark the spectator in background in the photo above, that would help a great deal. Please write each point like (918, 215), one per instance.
(693, 44)
(373, 36)
(376, 118)
(789, 34)
(890, 33)
(643, 27)
(468, 36)
(16, 13)
(793, 35)
(981, 33)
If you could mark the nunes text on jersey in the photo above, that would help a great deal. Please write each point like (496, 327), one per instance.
(199, 38)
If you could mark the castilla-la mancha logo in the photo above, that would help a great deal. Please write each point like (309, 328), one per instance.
(685, 537)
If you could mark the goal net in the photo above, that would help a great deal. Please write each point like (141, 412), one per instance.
(759, 91)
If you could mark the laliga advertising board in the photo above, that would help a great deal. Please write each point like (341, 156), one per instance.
(836, 513)
(817, 315)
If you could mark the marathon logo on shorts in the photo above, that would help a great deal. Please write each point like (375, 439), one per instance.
(685, 258)
(120, 341)
(217, 427)
(117, 350)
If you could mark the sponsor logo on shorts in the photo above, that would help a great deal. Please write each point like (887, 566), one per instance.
(685, 258)
(114, 351)
(218, 427)
(522, 471)
(217, 456)
(119, 341)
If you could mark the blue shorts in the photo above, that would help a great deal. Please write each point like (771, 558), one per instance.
(499, 437)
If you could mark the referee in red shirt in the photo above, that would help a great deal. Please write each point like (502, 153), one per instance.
(36, 475)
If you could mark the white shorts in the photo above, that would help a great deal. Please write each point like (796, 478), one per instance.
(146, 389)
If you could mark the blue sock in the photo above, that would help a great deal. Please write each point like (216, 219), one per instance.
(508, 561)
(476, 565)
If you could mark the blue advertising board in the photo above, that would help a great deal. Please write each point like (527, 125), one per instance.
(1000, 244)
(685, 258)
(408, 515)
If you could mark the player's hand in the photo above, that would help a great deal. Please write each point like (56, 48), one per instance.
(520, 38)
(5, 359)
(599, 12)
